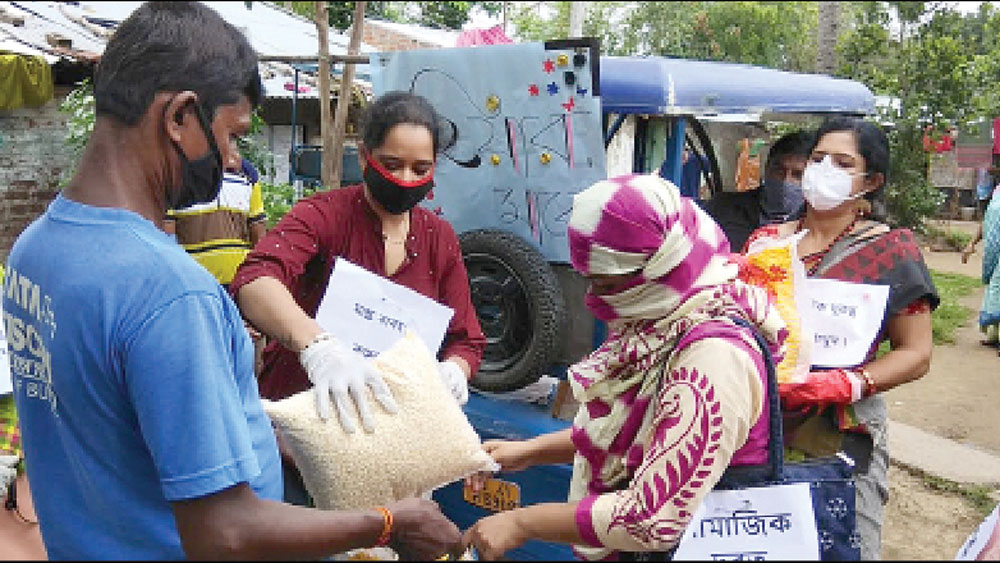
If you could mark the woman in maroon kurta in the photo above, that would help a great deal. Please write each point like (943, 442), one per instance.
(376, 225)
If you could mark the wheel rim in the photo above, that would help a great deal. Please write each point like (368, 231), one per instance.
(503, 309)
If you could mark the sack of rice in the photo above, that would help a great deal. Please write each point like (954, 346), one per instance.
(427, 444)
(775, 266)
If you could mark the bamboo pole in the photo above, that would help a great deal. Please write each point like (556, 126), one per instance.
(344, 98)
(323, 33)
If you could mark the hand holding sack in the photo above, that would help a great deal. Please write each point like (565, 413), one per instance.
(428, 443)
(335, 370)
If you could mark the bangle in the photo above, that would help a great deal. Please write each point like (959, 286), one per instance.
(383, 539)
(870, 388)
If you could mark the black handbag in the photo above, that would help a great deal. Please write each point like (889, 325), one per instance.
(831, 481)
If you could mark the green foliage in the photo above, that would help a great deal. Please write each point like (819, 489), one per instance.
(909, 195)
(446, 15)
(775, 34)
(951, 314)
(252, 147)
(79, 107)
(451, 15)
(278, 199)
(938, 67)
(952, 240)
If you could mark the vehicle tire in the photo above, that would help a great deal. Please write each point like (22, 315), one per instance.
(520, 306)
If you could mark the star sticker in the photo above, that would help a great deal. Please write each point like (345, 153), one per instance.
(568, 105)
(549, 66)
(552, 88)
(581, 91)
(533, 90)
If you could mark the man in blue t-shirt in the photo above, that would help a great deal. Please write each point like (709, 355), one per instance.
(144, 435)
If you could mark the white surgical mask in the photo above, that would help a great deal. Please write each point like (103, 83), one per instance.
(826, 186)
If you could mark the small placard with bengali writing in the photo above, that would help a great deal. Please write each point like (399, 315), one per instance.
(753, 524)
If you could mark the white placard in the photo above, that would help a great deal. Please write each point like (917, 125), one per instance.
(753, 524)
(6, 386)
(844, 317)
(974, 545)
(371, 313)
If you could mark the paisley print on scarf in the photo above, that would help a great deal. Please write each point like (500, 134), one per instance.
(651, 434)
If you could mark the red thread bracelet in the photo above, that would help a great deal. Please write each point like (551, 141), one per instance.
(383, 539)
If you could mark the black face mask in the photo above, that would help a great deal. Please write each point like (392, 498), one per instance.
(393, 195)
(201, 178)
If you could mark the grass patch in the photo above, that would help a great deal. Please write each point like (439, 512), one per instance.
(981, 497)
(951, 314)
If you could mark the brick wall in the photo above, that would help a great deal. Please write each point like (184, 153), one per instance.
(385, 39)
(33, 158)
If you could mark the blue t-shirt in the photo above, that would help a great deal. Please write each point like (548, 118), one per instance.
(134, 383)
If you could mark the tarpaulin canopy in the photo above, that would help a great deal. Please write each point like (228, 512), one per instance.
(24, 81)
(670, 86)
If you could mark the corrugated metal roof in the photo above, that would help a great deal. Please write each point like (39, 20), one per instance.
(271, 30)
(41, 19)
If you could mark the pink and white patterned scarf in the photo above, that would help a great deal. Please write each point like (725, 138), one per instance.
(684, 284)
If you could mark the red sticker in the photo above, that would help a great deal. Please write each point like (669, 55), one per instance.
(549, 66)
(533, 90)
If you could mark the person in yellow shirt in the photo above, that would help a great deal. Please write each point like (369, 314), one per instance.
(220, 233)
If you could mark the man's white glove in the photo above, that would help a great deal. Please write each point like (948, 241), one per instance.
(454, 380)
(335, 370)
(8, 471)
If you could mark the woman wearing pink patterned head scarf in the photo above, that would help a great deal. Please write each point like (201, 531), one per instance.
(674, 396)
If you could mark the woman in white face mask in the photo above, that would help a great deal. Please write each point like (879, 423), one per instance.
(842, 408)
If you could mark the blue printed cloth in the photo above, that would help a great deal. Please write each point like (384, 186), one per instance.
(989, 314)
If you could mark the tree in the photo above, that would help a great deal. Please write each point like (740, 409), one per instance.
(446, 15)
(936, 67)
(826, 37)
(344, 97)
(773, 34)
(323, 72)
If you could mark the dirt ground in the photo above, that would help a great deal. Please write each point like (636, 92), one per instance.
(957, 399)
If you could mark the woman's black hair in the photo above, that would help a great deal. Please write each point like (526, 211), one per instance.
(393, 108)
(172, 47)
(872, 143)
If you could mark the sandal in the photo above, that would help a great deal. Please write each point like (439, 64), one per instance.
(991, 343)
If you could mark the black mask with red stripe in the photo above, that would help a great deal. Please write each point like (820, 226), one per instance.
(394, 195)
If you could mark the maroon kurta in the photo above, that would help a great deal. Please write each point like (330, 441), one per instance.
(301, 249)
